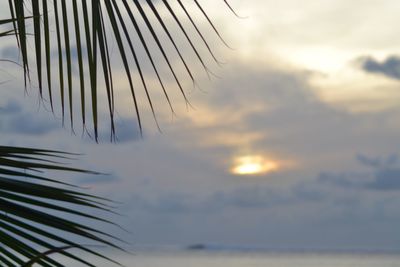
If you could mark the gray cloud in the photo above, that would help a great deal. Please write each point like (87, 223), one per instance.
(288, 217)
(9, 52)
(126, 130)
(74, 56)
(242, 198)
(390, 67)
(308, 192)
(378, 162)
(190, 198)
(16, 121)
(385, 175)
(368, 161)
(12, 107)
(248, 198)
(167, 202)
(98, 179)
(295, 125)
(386, 179)
(344, 180)
(178, 202)
(190, 192)
(29, 124)
(293, 121)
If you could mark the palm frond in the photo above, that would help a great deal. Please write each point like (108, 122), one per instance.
(37, 211)
(84, 25)
(29, 200)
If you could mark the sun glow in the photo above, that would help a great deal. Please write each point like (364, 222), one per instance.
(253, 165)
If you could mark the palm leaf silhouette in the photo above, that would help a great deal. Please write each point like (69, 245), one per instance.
(134, 26)
(36, 208)
(27, 200)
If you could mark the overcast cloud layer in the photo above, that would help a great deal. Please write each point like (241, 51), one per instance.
(314, 86)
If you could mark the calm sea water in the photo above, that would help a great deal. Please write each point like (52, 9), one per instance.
(204, 259)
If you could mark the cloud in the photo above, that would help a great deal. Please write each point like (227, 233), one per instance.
(385, 175)
(126, 130)
(287, 217)
(377, 162)
(307, 192)
(386, 179)
(250, 197)
(166, 202)
(280, 113)
(10, 53)
(343, 180)
(189, 190)
(368, 161)
(297, 214)
(16, 121)
(12, 107)
(241, 198)
(390, 67)
(29, 124)
(289, 121)
(98, 179)
(179, 202)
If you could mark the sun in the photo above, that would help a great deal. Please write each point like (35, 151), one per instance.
(253, 165)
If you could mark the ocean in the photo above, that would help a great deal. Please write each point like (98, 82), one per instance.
(249, 259)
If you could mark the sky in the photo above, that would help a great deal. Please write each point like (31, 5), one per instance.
(295, 145)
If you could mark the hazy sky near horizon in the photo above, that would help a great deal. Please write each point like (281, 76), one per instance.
(309, 96)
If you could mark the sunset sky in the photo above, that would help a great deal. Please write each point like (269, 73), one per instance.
(294, 145)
